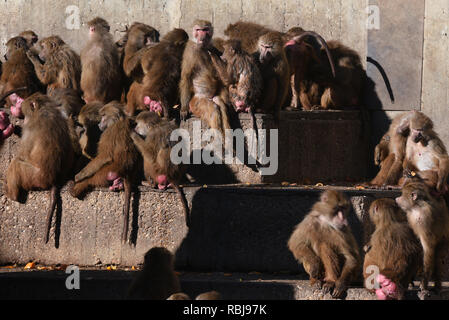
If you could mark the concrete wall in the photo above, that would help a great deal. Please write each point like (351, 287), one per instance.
(342, 20)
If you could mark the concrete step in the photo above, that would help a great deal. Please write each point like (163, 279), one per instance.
(101, 284)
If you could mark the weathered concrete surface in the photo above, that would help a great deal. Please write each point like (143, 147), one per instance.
(342, 20)
(234, 228)
(313, 146)
(102, 285)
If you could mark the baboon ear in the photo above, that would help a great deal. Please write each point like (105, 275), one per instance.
(414, 196)
(33, 105)
(376, 208)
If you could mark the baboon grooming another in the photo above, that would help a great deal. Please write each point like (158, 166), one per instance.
(18, 72)
(201, 89)
(429, 219)
(393, 249)
(101, 74)
(62, 65)
(152, 137)
(324, 244)
(117, 157)
(157, 280)
(45, 156)
(389, 154)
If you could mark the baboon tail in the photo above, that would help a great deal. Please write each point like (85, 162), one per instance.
(126, 204)
(53, 194)
(185, 204)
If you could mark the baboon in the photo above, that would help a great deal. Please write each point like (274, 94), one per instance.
(157, 280)
(429, 219)
(101, 76)
(45, 156)
(389, 154)
(139, 38)
(301, 56)
(201, 90)
(89, 118)
(324, 91)
(69, 103)
(179, 296)
(275, 72)
(30, 36)
(393, 249)
(324, 244)
(425, 151)
(62, 65)
(162, 68)
(18, 72)
(211, 295)
(248, 33)
(6, 127)
(117, 158)
(152, 137)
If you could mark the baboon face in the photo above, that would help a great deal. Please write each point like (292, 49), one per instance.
(336, 210)
(231, 48)
(49, 46)
(270, 45)
(412, 193)
(30, 37)
(110, 114)
(420, 124)
(144, 121)
(98, 26)
(202, 33)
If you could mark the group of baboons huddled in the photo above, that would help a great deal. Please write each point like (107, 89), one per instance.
(104, 117)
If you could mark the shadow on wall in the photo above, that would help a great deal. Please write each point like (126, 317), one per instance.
(380, 121)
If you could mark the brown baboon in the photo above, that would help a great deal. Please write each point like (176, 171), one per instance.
(18, 72)
(324, 244)
(62, 65)
(393, 250)
(201, 90)
(429, 218)
(179, 296)
(210, 295)
(101, 76)
(31, 38)
(324, 91)
(162, 68)
(275, 72)
(45, 157)
(89, 118)
(117, 159)
(157, 280)
(139, 38)
(425, 151)
(389, 154)
(248, 33)
(152, 138)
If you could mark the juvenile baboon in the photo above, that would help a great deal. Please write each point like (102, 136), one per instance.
(157, 280)
(429, 219)
(389, 154)
(45, 156)
(89, 118)
(152, 137)
(393, 249)
(18, 72)
(117, 158)
(201, 90)
(425, 152)
(162, 70)
(101, 74)
(61, 67)
(275, 72)
(324, 244)
(69, 103)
